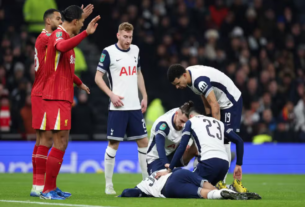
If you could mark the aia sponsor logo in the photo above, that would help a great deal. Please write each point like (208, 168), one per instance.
(128, 71)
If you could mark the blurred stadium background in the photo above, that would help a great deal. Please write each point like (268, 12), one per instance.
(259, 44)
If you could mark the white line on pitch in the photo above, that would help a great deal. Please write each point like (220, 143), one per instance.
(50, 204)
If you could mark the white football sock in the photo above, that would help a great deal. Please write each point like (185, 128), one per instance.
(109, 165)
(142, 160)
(228, 150)
(39, 187)
(215, 194)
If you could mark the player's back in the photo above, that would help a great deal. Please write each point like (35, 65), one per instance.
(152, 186)
(122, 74)
(59, 69)
(208, 134)
(40, 53)
(164, 125)
(224, 88)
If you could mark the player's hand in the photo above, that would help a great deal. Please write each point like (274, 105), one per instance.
(92, 25)
(116, 100)
(87, 10)
(143, 105)
(85, 88)
(237, 174)
(159, 174)
(166, 165)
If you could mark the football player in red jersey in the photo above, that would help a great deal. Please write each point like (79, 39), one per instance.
(52, 19)
(58, 92)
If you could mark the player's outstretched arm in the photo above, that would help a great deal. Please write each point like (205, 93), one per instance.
(141, 85)
(93, 25)
(80, 84)
(115, 99)
(211, 98)
(87, 10)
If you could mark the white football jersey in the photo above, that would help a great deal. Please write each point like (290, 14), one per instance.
(152, 186)
(208, 135)
(205, 79)
(165, 126)
(122, 70)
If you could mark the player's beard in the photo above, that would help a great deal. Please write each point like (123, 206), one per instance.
(54, 27)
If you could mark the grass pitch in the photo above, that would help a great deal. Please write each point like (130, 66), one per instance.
(88, 190)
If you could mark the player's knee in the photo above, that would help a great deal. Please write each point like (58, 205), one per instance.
(142, 142)
(114, 144)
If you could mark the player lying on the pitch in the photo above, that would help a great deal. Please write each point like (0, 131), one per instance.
(208, 134)
(165, 137)
(182, 183)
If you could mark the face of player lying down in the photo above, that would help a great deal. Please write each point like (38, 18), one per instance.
(125, 39)
(179, 120)
(180, 83)
(55, 20)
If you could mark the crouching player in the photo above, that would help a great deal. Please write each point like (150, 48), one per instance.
(208, 134)
(182, 183)
(165, 137)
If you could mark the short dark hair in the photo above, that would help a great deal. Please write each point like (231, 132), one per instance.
(71, 13)
(175, 71)
(185, 108)
(48, 13)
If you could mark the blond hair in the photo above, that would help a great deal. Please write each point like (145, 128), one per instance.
(125, 26)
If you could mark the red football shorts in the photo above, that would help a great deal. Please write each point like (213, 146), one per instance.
(37, 111)
(57, 115)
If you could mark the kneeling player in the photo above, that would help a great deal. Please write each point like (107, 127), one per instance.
(182, 184)
(208, 134)
(165, 137)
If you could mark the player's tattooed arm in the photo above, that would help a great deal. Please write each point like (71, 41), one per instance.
(207, 106)
(211, 99)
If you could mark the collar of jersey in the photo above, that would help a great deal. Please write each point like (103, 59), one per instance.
(61, 27)
(191, 78)
(173, 120)
(121, 49)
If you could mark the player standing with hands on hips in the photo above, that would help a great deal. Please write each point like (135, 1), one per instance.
(121, 62)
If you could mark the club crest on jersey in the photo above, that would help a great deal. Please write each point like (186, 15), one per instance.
(58, 34)
(72, 60)
(202, 86)
(163, 126)
(102, 58)
(127, 71)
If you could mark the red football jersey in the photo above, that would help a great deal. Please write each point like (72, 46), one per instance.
(40, 53)
(59, 69)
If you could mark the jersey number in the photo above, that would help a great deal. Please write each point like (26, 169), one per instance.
(218, 135)
(227, 117)
(36, 60)
(151, 179)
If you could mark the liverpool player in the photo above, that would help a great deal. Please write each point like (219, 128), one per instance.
(58, 92)
(52, 19)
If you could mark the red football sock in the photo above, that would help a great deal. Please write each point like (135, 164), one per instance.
(41, 160)
(54, 162)
(34, 163)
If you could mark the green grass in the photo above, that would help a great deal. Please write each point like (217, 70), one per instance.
(88, 189)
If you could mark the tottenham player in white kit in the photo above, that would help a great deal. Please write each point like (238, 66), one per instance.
(165, 137)
(221, 98)
(183, 183)
(208, 134)
(121, 63)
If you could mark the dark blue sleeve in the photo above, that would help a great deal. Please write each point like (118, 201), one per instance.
(233, 137)
(203, 84)
(104, 63)
(186, 135)
(162, 130)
